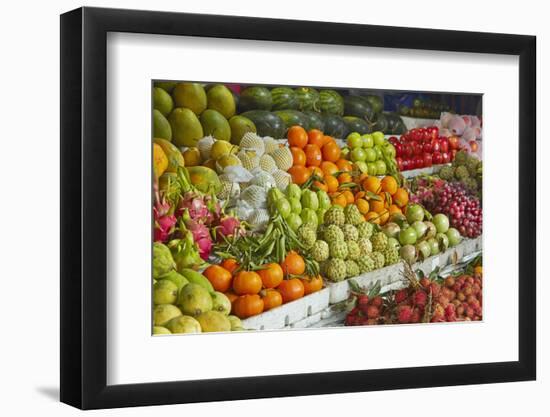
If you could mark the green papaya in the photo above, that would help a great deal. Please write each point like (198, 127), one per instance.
(221, 99)
(197, 278)
(162, 101)
(215, 124)
(239, 126)
(186, 127)
(161, 126)
(191, 96)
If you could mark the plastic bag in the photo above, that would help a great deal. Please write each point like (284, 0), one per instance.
(237, 173)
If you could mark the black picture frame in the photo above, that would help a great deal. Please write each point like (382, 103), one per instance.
(84, 207)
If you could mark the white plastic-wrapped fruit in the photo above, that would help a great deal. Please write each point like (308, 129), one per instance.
(267, 163)
(283, 158)
(204, 145)
(262, 179)
(255, 196)
(282, 179)
(259, 218)
(249, 159)
(229, 189)
(252, 142)
(270, 144)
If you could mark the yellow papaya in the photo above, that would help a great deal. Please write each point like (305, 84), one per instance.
(175, 157)
(205, 179)
(160, 160)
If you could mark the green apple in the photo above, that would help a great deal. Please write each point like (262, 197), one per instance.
(378, 138)
(370, 155)
(380, 167)
(372, 168)
(378, 151)
(358, 154)
(354, 140)
(368, 141)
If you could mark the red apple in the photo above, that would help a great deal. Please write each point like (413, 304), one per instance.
(446, 156)
(437, 158)
(443, 144)
(427, 159)
(399, 161)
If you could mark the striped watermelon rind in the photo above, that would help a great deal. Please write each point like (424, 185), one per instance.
(284, 98)
(331, 102)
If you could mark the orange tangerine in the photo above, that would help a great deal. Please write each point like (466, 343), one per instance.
(317, 171)
(394, 209)
(372, 184)
(360, 194)
(401, 197)
(389, 184)
(349, 196)
(377, 205)
(340, 199)
(320, 185)
(362, 205)
(328, 167)
(332, 183)
(384, 216)
(344, 177)
(343, 165)
(372, 217)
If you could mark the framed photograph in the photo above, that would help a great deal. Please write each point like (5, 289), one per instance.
(322, 203)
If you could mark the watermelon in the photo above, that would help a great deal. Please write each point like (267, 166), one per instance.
(356, 124)
(331, 102)
(292, 118)
(376, 103)
(381, 123)
(307, 98)
(315, 120)
(267, 123)
(335, 126)
(255, 98)
(395, 124)
(359, 107)
(284, 98)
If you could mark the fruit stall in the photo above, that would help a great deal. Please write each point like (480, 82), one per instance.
(286, 208)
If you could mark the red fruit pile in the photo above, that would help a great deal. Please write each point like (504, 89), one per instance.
(455, 299)
(366, 311)
(423, 147)
(454, 200)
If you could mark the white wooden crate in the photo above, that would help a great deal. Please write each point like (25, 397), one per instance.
(340, 291)
(290, 314)
(314, 308)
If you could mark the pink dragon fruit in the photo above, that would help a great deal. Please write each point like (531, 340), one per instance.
(197, 208)
(229, 225)
(205, 247)
(164, 227)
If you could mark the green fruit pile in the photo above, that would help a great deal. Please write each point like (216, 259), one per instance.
(185, 301)
(466, 169)
(348, 245)
(371, 153)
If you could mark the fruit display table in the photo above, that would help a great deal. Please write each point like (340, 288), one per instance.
(324, 306)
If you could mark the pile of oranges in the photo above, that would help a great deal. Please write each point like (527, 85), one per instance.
(377, 199)
(310, 150)
(253, 292)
